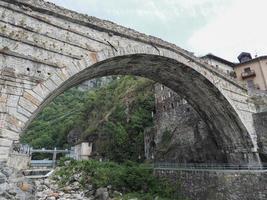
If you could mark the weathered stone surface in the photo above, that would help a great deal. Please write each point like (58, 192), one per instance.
(12, 100)
(23, 111)
(4, 150)
(102, 194)
(14, 186)
(260, 121)
(3, 98)
(14, 124)
(2, 178)
(203, 185)
(28, 105)
(5, 142)
(180, 135)
(31, 98)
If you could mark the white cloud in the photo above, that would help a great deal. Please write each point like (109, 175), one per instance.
(171, 20)
(241, 27)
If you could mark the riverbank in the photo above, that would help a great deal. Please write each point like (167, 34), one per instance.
(89, 180)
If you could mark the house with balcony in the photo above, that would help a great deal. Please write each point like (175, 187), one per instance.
(252, 71)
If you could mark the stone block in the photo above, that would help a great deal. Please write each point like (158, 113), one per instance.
(12, 100)
(63, 74)
(27, 105)
(3, 156)
(56, 79)
(3, 107)
(5, 142)
(4, 150)
(24, 112)
(13, 111)
(11, 90)
(3, 98)
(41, 90)
(50, 85)
(14, 123)
(35, 95)
(3, 117)
(31, 98)
(12, 135)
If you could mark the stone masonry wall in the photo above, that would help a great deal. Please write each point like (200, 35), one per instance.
(260, 122)
(219, 185)
(180, 134)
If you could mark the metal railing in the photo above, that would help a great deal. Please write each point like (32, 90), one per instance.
(48, 163)
(43, 163)
(247, 74)
(208, 166)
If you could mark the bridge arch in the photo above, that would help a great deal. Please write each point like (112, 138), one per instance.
(228, 130)
(45, 53)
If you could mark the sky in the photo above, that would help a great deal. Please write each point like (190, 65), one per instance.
(222, 27)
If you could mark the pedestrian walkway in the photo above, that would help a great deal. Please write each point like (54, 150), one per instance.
(210, 167)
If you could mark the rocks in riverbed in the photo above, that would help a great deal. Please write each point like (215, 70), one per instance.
(13, 185)
(51, 190)
(48, 189)
(102, 194)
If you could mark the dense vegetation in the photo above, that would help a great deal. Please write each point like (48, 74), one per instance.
(115, 118)
(135, 181)
(116, 115)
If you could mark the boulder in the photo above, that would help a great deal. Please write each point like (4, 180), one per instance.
(102, 194)
(26, 187)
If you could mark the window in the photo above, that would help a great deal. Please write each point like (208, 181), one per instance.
(247, 70)
(172, 104)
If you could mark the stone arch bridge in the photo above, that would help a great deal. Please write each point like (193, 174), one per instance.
(46, 49)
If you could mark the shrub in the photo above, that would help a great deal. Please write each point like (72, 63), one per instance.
(128, 178)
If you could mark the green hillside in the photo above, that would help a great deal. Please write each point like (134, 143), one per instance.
(115, 115)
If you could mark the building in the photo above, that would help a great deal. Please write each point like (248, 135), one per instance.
(252, 71)
(82, 151)
(221, 64)
(96, 83)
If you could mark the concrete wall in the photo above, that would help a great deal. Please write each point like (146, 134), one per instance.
(219, 185)
(82, 151)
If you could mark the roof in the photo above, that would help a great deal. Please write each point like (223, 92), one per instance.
(244, 54)
(251, 61)
(211, 56)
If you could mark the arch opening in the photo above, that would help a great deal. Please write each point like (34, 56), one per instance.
(225, 125)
